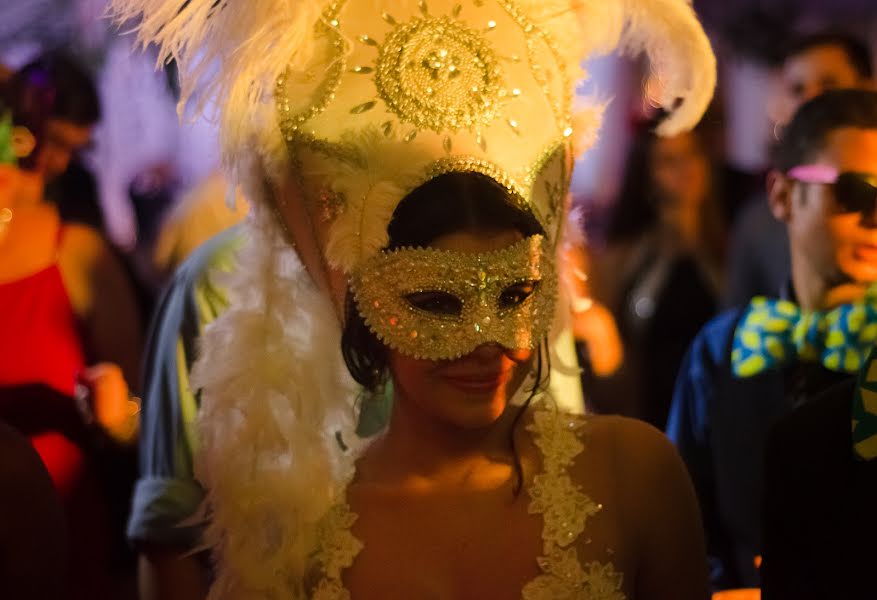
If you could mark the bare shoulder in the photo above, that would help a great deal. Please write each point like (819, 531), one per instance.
(88, 266)
(630, 439)
(642, 458)
(82, 241)
(634, 469)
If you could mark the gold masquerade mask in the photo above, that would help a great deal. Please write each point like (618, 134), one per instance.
(438, 304)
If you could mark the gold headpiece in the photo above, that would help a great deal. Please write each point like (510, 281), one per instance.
(364, 100)
(412, 92)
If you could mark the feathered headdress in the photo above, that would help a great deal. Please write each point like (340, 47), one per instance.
(331, 112)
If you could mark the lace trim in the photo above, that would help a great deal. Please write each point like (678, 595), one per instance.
(564, 507)
(565, 510)
(338, 549)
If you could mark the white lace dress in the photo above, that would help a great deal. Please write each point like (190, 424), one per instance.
(565, 511)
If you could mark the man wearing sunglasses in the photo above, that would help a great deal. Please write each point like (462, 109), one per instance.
(758, 256)
(748, 367)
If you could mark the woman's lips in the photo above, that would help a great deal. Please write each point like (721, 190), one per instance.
(478, 383)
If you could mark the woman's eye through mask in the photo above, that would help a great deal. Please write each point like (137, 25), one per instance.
(439, 304)
(443, 303)
(853, 192)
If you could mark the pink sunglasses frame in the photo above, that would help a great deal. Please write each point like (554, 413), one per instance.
(814, 174)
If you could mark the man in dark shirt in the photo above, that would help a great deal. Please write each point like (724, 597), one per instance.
(749, 367)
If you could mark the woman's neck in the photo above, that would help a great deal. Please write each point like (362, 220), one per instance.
(418, 446)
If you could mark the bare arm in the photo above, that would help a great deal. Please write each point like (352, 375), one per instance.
(166, 574)
(103, 299)
(660, 503)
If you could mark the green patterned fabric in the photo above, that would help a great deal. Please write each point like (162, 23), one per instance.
(7, 151)
(775, 333)
(865, 412)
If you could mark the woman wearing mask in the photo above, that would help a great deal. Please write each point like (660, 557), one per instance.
(409, 163)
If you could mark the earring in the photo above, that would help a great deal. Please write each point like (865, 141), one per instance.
(374, 406)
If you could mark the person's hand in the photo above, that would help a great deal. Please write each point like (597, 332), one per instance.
(108, 404)
(594, 325)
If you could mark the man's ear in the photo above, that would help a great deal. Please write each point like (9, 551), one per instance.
(779, 195)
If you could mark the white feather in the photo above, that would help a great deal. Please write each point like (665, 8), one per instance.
(372, 189)
(586, 123)
(230, 53)
(275, 392)
(681, 57)
(668, 31)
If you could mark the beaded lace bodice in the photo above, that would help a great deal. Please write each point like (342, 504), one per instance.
(565, 511)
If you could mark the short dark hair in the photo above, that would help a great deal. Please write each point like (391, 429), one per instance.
(54, 86)
(858, 53)
(809, 129)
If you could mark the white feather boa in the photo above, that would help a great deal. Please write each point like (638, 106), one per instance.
(275, 393)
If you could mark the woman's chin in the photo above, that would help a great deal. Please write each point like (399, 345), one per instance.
(476, 410)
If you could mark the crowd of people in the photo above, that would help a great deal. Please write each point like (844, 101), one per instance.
(326, 401)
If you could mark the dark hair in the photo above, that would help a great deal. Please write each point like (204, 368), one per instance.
(809, 129)
(54, 86)
(446, 204)
(633, 213)
(857, 52)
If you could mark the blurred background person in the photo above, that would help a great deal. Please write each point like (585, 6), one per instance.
(67, 96)
(163, 526)
(68, 317)
(598, 342)
(65, 91)
(662, 268)
(759, 256)
(750, 366)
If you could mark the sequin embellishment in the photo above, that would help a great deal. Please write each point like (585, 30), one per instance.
(565, 510)
(382, 285)
(338, 549)
(437, 73)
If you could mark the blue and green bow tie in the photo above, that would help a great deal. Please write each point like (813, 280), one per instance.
(775, 333)
(865, 412)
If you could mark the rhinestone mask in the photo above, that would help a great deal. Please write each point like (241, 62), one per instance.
(439, 304)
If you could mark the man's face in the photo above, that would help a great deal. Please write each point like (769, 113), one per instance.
(61, 140)
(840, 247)
(810, 73)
